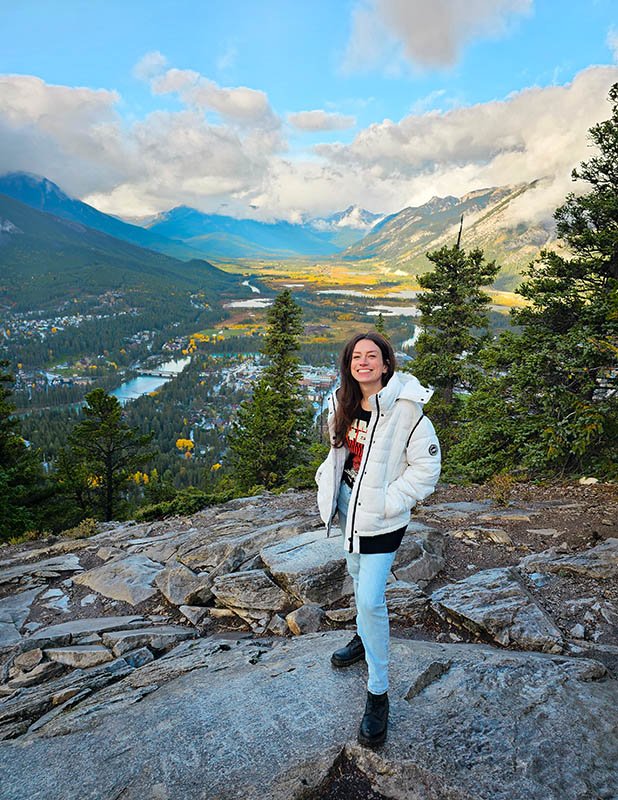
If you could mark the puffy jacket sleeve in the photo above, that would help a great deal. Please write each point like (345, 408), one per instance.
(421, 475)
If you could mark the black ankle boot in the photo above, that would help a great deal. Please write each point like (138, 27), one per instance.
(372, 731)
(353, 651)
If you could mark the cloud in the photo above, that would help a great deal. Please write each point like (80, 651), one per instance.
(76, 137)
(319, 120)
(149, 65)
(389, 33)
(71, 135)
(612, 42)
(238, 104)
(535, 133)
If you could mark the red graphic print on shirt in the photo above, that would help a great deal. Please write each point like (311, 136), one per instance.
(355, 440)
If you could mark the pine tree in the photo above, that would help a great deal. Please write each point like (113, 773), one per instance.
(380, 326)
(549, 401)
(271, 434)
(104, 452)
(453, 318)
(22, 483)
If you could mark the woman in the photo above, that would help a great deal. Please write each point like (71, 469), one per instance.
(384, 457)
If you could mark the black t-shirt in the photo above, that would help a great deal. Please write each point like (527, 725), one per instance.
(355, 441)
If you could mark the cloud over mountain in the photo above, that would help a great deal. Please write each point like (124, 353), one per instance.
(226, 148)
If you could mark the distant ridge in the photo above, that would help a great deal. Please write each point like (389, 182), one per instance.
(402, 240)
(221, 236)
(44, 195)
(45, 259)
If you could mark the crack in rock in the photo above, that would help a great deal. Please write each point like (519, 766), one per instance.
(428, 676)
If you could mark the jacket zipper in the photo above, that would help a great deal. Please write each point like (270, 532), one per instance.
(362, 473)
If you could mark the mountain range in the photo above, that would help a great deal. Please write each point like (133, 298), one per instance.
(46, 259)
(397, 243)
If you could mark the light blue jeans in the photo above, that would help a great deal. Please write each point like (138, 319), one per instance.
(369, 573)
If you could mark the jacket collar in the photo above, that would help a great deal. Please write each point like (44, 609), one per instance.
(402, 386)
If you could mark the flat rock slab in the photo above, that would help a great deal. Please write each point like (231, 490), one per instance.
(495, 601)
(159, 637)
(80, 656)
(50, 567)
(67, 632)
(467, 723)
(250, 589)
(597, 562)
(128, 579)
(14, 611)
(311, 567)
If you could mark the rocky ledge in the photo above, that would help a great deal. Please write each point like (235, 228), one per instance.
(189, 658)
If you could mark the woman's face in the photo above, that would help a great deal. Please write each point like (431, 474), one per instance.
(367, 365)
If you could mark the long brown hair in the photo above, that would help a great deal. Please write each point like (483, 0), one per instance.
(349, 395)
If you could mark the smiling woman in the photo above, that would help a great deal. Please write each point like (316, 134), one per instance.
(384, 458)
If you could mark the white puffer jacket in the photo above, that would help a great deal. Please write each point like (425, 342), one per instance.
(399, 467)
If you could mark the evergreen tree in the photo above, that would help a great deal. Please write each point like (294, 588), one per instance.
(104, 452)
(550, 400)
(22, 483)
(379, 326)
(453, 317)
(271, 434)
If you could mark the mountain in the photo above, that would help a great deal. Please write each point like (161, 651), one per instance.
(227, 237)
(402, 240)
(45, 259)
(346, 227)
(40, 193)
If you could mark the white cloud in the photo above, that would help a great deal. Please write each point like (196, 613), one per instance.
(75, 137)
(387, 33)
(612, 42)
(319, 120)
(150, 65)
(238, 104)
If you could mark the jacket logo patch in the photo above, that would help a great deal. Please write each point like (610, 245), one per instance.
(433, 449)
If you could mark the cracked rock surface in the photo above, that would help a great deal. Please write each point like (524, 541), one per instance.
(254, 719)
(190, 657)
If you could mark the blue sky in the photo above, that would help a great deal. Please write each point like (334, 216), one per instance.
(138, 106)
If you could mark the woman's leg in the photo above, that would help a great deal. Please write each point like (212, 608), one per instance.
(370, 572)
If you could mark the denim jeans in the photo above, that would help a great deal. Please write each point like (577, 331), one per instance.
(369, 573)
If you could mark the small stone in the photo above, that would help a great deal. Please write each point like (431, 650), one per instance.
(89, 638)
(88, 600)
(470, 566)
(52, 593)
(158, 638)
(138, 658)
(578, 631)
(455, 638)
(543, 531)
(306, 619)
(40, 673)
(278, 625)
(193, 613)
(28, 661)
(588, 481)
(67, 583)
(342, 614)
(221, 613)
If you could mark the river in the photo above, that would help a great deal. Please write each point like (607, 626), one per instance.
(144, 384)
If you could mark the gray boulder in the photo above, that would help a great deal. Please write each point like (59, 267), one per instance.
(252, 589)
(495, 602)
(597, 562)
(311, 567)
(129, 579)
(181, 586)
